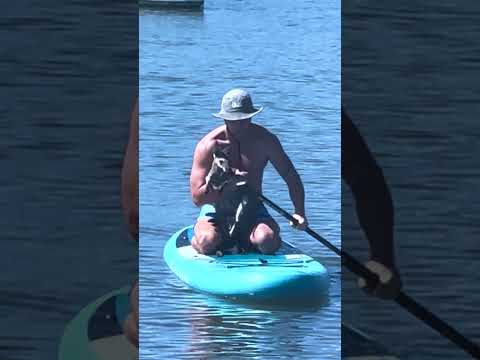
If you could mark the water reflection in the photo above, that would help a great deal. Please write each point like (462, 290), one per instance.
(224, 328)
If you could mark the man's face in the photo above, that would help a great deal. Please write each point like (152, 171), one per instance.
(238, 127)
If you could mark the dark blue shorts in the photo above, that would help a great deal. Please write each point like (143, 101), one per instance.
(208, 212)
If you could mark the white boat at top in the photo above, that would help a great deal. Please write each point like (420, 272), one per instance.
(173, 4)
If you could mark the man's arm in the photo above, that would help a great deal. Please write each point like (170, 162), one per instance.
(129, 180)
(287, 171)
(374, 203)
(202, 161)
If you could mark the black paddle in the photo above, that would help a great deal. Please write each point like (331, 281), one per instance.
(402, 299)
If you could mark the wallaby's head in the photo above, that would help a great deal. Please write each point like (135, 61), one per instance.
(220, 159)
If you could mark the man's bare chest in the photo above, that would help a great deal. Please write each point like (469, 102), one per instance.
(247, 156)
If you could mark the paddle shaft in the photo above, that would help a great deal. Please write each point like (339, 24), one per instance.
(402, 299)
(349, 261)
(420, 312)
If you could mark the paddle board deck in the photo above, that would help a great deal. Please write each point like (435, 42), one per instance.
(287, 276)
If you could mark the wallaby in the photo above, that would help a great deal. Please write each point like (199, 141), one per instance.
(237, 206)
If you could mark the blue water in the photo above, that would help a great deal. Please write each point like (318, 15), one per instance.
(288, 55)
(63, 235)
(410, 81)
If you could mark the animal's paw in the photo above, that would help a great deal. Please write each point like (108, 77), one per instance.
(240, 173)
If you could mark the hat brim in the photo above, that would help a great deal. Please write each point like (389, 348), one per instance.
(237, 115)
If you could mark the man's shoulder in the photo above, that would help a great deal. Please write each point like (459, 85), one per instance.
(266, 137)
(207, 143)
(262, 131)
(214, 134)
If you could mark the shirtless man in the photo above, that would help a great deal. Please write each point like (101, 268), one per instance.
(251, 147)
(130, 208)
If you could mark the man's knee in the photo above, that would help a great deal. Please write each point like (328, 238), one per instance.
(206, 241)
(266, 238)
(263, 233)
(130, 327)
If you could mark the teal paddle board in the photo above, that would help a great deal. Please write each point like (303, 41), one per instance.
(96, 332)
(287, 276)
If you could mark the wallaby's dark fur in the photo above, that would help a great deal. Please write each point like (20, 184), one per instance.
(236, 210)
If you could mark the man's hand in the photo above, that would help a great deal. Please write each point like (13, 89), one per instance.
(301, 224)
(389, 285)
